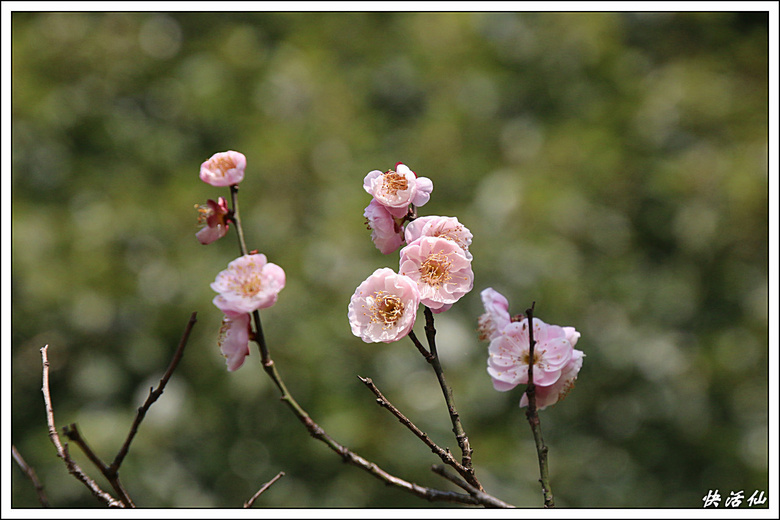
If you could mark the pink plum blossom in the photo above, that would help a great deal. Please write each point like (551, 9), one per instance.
(496, 315)
(386, 232)
(396, 189)
(509, 354)
(441, 270)
(223, 169)
(233, 339)
(384, 307)
(214, 216)
(249, 283)
(444, 227)
(549, 395)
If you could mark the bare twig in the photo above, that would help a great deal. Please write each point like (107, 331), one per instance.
(30, 473)
(111, 472)
(484, 498)
(457, 427)
(265, 486)
(153, 396)
(353, 458)
(533, 415)
(427, 355)
(444, 455)
(62, 449)
(72, 432)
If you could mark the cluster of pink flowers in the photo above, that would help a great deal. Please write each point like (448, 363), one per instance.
(556, 362)
(434, 268)
(250, 282)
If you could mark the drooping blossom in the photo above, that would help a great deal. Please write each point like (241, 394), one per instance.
(549, 395)
(441, 270)
(496, 315)
(249, 283)
(223, 169)
(233, 340)
(509, 354)
(386, 233)
(444, 227)
(214, 216)
(384, 307)
(396, 189)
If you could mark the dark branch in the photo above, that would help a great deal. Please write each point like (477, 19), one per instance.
(484, 498)
(30, 473)
(444, 455)
(457, 427)
(153, 396)
(533, 415)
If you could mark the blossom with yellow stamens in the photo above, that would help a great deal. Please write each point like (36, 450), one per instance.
(384, 307)
(440, 268)
(396, 189)
(249, 283)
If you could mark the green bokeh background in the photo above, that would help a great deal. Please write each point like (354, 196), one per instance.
(611, 166)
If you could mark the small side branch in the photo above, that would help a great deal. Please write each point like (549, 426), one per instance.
(265, 486)
(72, 432)
(62, 449)
(484, 498)
(153, 396)
(533, 416)
(457, 427)
(444, 455)
(350, 457)
(427, 355)
(30, 473)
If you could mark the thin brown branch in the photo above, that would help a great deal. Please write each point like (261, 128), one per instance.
(533, 415)
(265, 486)
(72, 432)
(457, 427)
(484, 498)
(350, 457)
(30, 473)
(427, 355)
(62, 449)
(444, 455)
(153, 396)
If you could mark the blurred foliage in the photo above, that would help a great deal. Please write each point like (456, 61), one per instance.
(612, 167)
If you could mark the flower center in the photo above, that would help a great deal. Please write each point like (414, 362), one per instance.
(387, 308)
(248, 282)
(394, 182)
(436, 269)
(204, 212)
(221, 165)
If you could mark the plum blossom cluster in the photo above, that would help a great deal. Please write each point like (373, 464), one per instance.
(434, 267)
(556, 362)
(250, 282)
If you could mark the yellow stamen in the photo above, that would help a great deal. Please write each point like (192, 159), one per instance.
(394, 182)
(221, 165)
(436, 269)
(387, 308)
